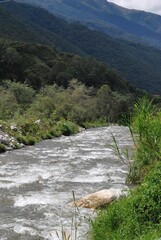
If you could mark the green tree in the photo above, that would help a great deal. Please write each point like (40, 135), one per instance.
(8, 104)
(104, 101)
(22, 92)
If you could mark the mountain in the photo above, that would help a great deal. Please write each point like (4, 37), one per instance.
(138, 64)
(39, 65)
(16, 28)
(109, 18)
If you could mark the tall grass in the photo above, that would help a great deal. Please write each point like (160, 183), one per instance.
(136, 217)
(146, 125)
(139, 215)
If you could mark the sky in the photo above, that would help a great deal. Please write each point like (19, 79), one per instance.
(146, 5)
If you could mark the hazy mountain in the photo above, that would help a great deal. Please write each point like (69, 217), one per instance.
(15, 27)
(136, 63)
(107, 17)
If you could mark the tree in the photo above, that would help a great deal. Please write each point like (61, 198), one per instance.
(22, 92)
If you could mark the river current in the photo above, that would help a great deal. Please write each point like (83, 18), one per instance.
(36, 183)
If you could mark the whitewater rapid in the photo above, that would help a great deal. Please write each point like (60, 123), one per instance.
(36, 182)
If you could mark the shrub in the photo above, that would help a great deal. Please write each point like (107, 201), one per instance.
(8, 104)
(26, 140)
(29, 127)
(67, 128)
(22, 92)
(55, 132)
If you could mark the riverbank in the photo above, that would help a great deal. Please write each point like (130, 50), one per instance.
(139, 215)
(30, 131)
(18, 135)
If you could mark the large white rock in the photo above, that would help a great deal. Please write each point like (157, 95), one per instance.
(98, 199)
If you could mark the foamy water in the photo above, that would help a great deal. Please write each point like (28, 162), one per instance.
(36, 183)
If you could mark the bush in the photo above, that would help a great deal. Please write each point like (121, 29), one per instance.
(22, 92)
(55, 132)
(29, 127)
(67, 128)
(26, 140)
(8, 104)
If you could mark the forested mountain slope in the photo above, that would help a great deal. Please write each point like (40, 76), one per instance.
(38, 65)
(54, 85)
(138, 64)
(107, 17)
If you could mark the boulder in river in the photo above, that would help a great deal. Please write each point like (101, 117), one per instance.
(98, 199)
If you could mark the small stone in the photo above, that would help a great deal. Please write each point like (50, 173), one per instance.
(38, 121)
(13, 126)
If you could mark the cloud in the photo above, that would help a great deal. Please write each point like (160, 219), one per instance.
(146, 5)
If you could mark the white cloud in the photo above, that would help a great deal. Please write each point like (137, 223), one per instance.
(146, 5)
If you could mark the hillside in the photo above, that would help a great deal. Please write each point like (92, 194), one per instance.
(138, 64)
(15, 28)
(38, 65)
(109, 18)
(37, 82)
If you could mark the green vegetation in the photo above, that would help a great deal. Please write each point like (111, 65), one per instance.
(45, 93)
(139, 64)
(38, 65)
(146, 123)
(49, 93)
(77, 103)
(139, 215)
(54, 111)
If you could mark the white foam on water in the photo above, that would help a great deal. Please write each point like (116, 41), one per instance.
(33, 199)
(41, 198)
(50, 235)
(33, 174)
(17, 182)
(43, 172)
(88, 179)
(56, 233)
(7, 225)
(55, 167)
(20, 229)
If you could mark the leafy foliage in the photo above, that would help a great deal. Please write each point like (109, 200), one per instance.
(22, 92)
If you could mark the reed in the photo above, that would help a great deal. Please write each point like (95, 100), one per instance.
(146, 127)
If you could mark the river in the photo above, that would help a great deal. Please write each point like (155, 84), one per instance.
(36, 182)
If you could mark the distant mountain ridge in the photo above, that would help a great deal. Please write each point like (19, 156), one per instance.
(138, 64)
(108, 17)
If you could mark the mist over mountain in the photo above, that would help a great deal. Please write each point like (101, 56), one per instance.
(138, 64)
(109, 18)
